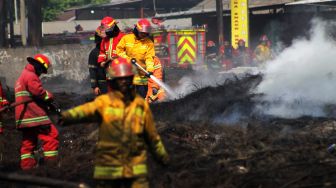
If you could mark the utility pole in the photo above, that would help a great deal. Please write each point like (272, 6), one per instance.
(219, 10)
(142, 9)
(11, 26)
(3, 23)
(23, 22)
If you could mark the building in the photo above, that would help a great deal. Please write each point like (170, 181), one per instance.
(123, 9)
(281, 20)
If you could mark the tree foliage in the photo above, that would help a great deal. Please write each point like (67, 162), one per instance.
(52, 8)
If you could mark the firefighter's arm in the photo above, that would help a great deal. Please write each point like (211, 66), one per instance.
(82, 113)
(36, 89)
(102, 53)
(153, 138)
(93, 70)
(3, 100)
(150, 53)
(157, 73)
(121, 49)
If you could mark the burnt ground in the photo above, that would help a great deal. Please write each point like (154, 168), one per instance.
(214, 138)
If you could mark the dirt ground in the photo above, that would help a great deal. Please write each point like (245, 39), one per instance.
(214, 138)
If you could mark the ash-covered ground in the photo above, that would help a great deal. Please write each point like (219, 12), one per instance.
(215, 139)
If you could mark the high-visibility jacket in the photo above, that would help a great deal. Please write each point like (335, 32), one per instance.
(3, 99)
(262, 53)
(108, 48)
(29, 86)
(158, 73)
(142, 50)
(124, 133)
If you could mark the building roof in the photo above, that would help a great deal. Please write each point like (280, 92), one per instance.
(323, 2)
(111, 3)
(207, 6)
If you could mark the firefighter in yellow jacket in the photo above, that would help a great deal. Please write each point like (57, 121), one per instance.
(126, 127)
(263, 52)
(155, 92)
(139, 46)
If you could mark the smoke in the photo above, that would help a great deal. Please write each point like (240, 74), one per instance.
(202, 78)
(301, 80)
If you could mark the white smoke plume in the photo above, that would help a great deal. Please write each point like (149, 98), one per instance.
(301, 80)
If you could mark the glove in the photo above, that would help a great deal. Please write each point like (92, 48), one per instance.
(5, 103)
(1, 130)
(154, 90)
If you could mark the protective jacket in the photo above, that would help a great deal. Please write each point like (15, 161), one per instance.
(29, 86)
(262, 53)
(242, 57)
(142, 50)
(3, 102)
(158, 73)
(97, 73)
(108, 48)
(124, 131)
(3, 99)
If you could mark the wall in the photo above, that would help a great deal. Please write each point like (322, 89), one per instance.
(69, 72)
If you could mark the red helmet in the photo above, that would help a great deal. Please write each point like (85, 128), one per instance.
(40, 58)
(118, 68)
(211, 43)
(263, 38)
(108, 22)
(143, 26)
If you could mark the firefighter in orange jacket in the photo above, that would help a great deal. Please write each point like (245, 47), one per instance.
(31, 117)
(111, 37)
(155, 92)
(3, 103)
(138, 45)
(126, 128)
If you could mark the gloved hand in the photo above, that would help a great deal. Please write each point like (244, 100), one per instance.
(154, 90)
(1, 130)
(5, 103)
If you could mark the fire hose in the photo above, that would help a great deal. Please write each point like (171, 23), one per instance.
(12, 105)
(149, 75)
(41, 181)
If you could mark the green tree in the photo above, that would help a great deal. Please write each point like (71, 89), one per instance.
(52, 8)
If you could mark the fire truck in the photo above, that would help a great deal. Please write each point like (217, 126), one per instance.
(180, 47)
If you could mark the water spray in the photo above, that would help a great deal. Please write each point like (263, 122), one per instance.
(170, 92)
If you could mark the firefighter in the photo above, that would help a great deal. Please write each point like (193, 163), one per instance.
(111, 37)
(155, 92)
(97, 73)
(138, 45)
(3, 103)
(242, 56)
(263, 51)
(126, 128)
(31, 118)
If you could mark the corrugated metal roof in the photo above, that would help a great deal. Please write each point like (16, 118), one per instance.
(210, 6)
(311, 2)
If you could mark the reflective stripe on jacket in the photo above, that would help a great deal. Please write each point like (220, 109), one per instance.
(2, 96)
(108, 48)
(29, 86)
(142, 50)
(158, 73)
(124, 134)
